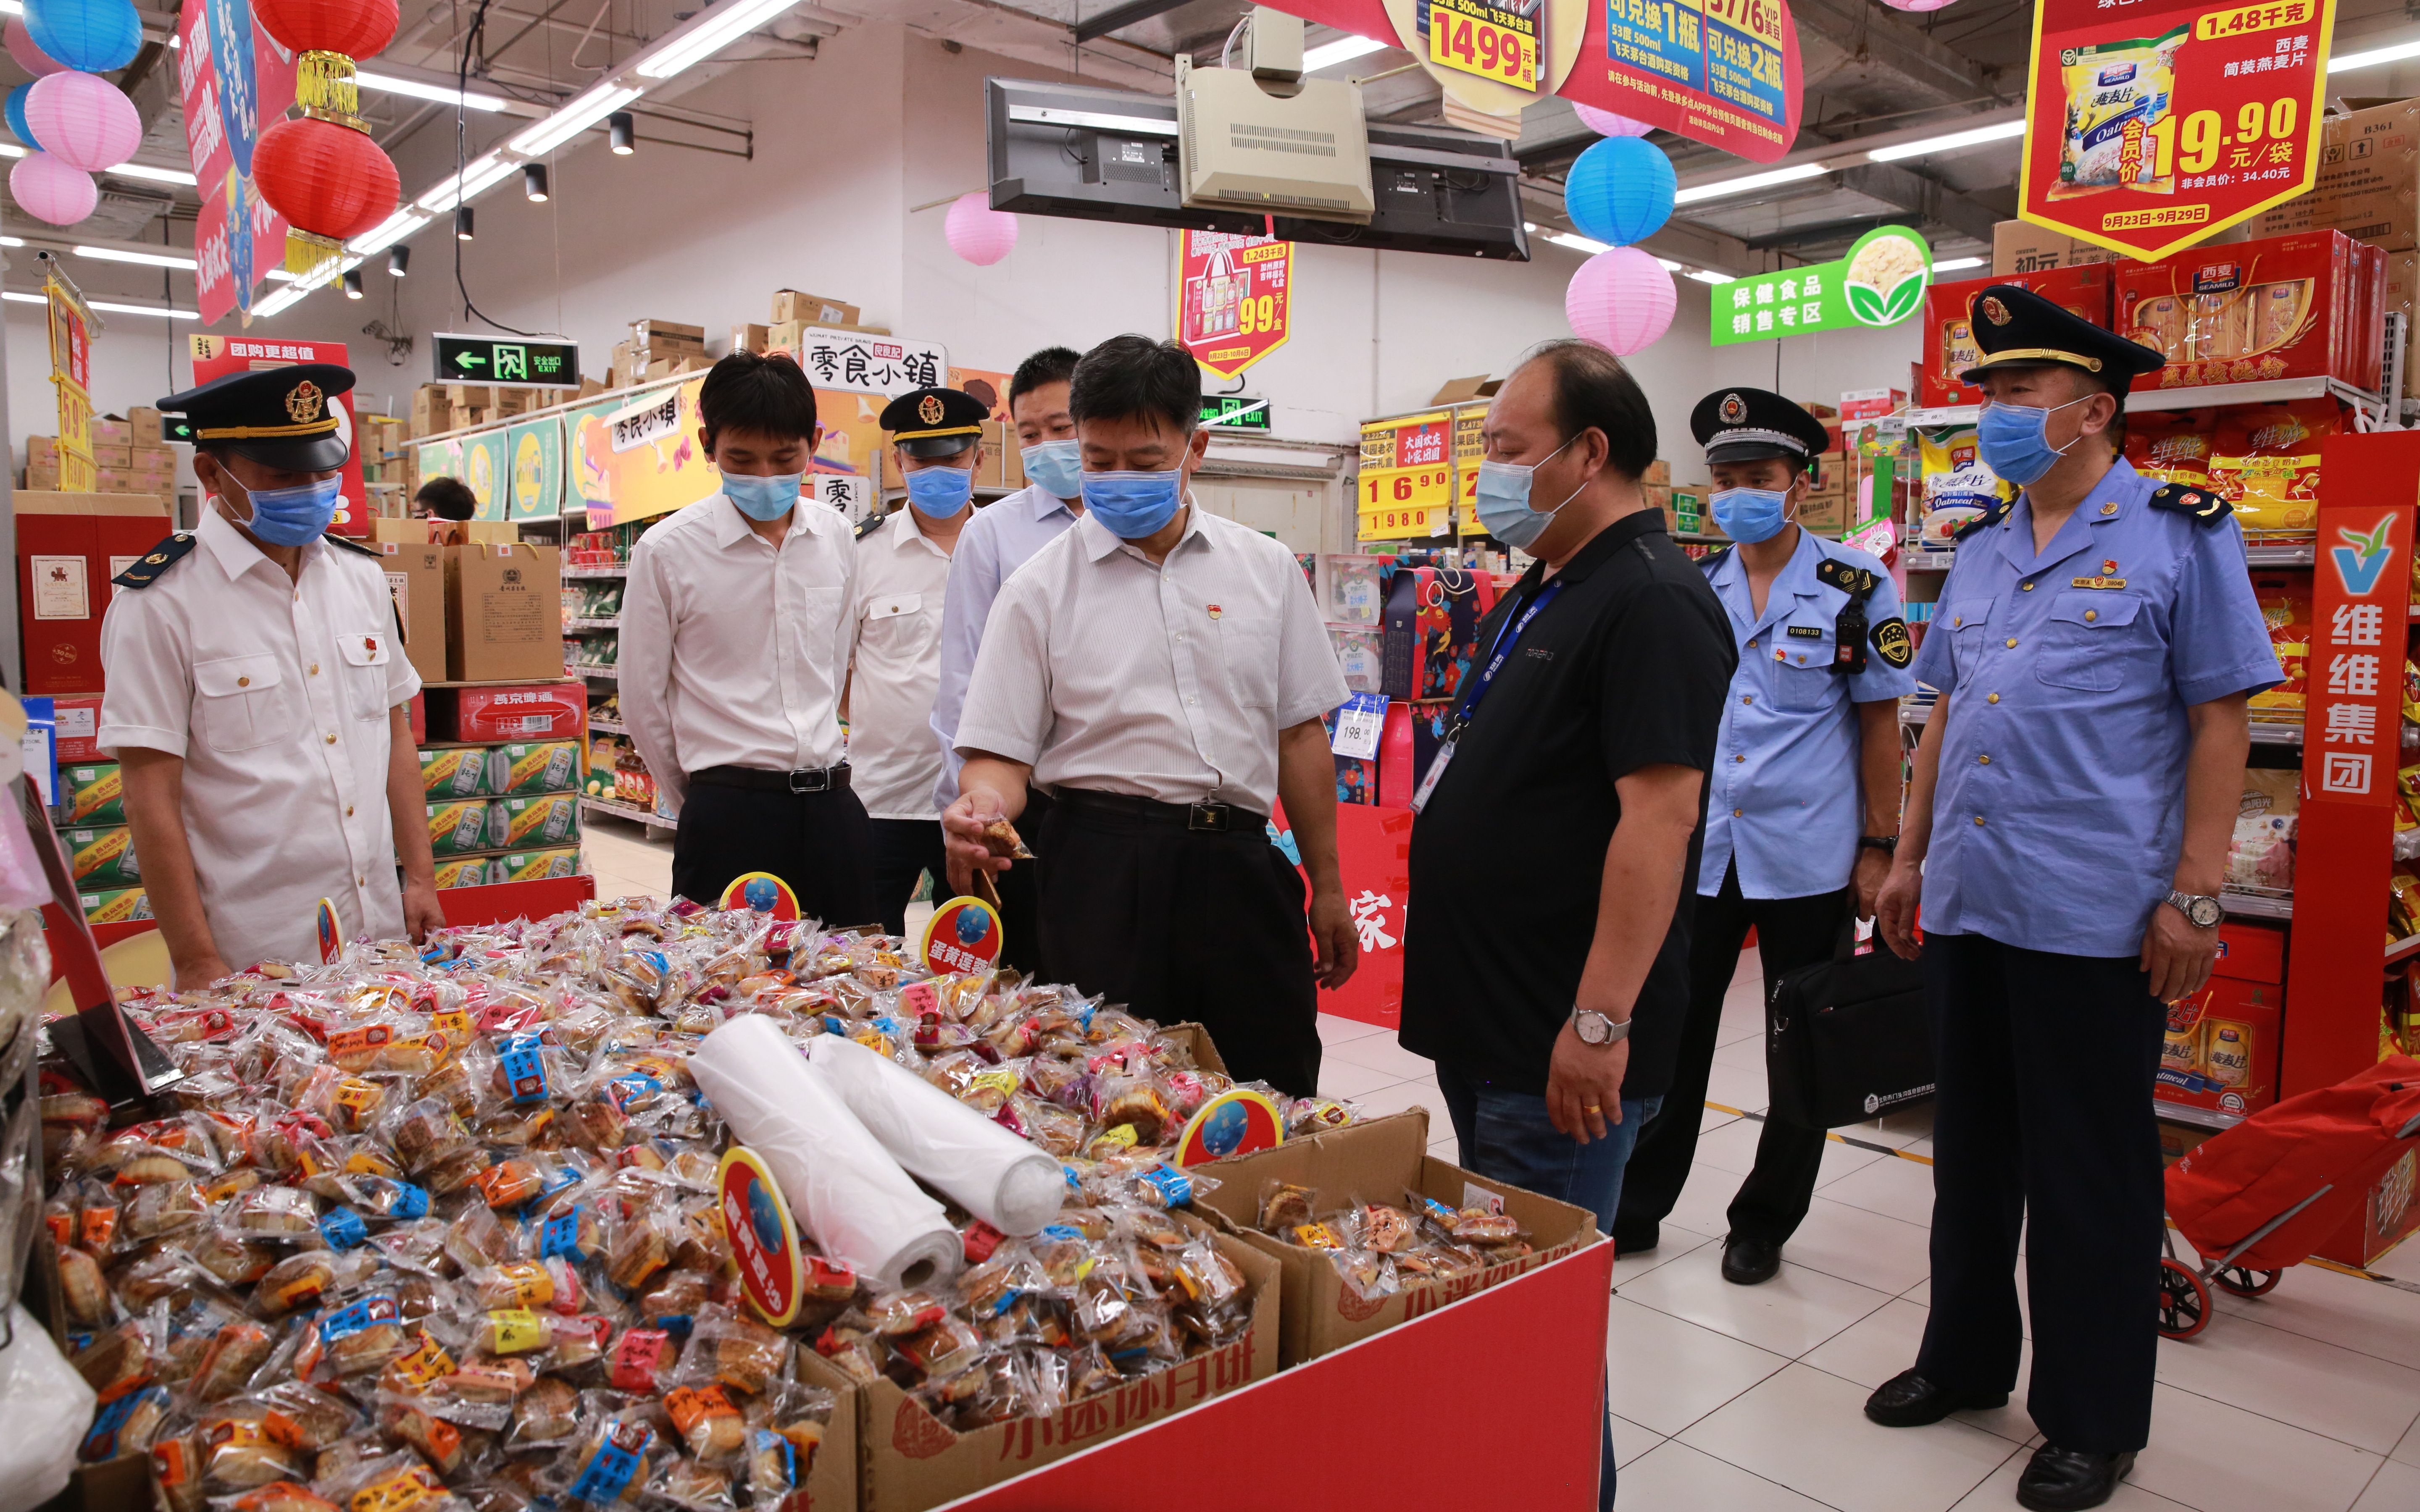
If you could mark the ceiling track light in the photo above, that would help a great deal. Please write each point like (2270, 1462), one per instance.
(533, 182)
(624, 130)
(463, 229)
(352, 283)
(398, 261)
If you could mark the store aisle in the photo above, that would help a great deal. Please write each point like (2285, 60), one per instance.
(627, 857)
(1748, 1398)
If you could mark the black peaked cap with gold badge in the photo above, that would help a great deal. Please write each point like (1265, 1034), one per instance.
(1750, 425)
(279, 417)
(929, 422)
(2017, 328)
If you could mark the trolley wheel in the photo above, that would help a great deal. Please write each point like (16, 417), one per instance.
(2184, 1302)
(2245, 1282)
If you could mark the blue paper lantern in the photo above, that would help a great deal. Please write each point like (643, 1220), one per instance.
(90, 35)
(15, 110)
(1620, 192)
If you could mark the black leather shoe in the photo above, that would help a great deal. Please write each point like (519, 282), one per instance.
(1749, 1261)
(1907, 1401)
(2063, 1480)
(1628, 1242)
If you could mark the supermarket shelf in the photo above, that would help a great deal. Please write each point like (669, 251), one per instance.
(2301, 555)
(2250, 905)
(2402, 947)
(593, 624)
(608, 726)
(596, 572)
(2275, 733)
(2144, 400)
(591, 671)
(631, 812)
(2198, 1117)
(1915, 560)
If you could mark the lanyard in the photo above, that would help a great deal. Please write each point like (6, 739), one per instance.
(1506, 639)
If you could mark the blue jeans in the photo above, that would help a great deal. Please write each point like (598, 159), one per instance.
(1506, 1137)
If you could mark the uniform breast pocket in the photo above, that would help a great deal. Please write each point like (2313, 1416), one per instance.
(1249, 648)
(365, 655)
(2093, 641)
(897, 626)
(239, 702)
(1802, 680)
(1967, 622)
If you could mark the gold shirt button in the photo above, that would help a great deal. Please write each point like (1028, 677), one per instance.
(2012, 642)
(243, 682)
(1991, 698)
(331, 740)
(1737, 812)
(1747, 698)
(1978, 821)
(2091, 614)
(349, 811)
(1980, 761)
(315, 669)
(1739, 757)
(2028, 587)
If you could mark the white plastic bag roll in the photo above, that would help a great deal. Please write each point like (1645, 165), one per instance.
(843, 1188)
(47, 1406)
(990, 1172)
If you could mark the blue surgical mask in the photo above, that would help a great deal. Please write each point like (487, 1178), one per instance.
(1751, 515)
(940, 492)
(296, 516)
(2015, 442)
(1133, 505)
(763, 499)
(1058, 466)
(1503, 501)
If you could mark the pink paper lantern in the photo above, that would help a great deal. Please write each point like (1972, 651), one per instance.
(1606, 123)
(1918, 6)
(1621, 299)
(84, 120)
(48, 190)
(978, 233)
(20, 43)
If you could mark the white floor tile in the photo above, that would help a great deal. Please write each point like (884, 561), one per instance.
(2359, 1399)
(1403, 1095)
(1805, 1429)
(1895, 1188)
(1335, 1028)
(1743, 1054)
(1854, 1245)
(1787, 1315)
(1673, 1478)
(1671, 1244)
(1379, 1052)
(2345, 1310)
(2401, 1263)
(1710, 1118)
(1733, 1088)
(1731, 1146)
(1630, 1440)
(1342, 1078)
(1841, 1158)
(2407, 1452)
(2000, 1492)
(1703, 1201)
(2220, 1459)
(2396, 1487)
(1885, 1343)
(1665, 1374)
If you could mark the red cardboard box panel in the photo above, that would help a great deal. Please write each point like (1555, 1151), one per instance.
(2251, 952)
(78, 727)
(507, 711)
(2222, 1050)
(2281, 307)
(1950, 345)
(69, 545)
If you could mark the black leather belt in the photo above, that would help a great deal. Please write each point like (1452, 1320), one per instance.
(1209, 818)
(756, 780)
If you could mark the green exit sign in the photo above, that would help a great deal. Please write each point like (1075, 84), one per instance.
(538, 364)
(1235, 411)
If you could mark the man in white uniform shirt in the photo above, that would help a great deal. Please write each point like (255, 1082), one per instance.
(257, 698)
(1162, 672)
(736, 631)
(903, 571)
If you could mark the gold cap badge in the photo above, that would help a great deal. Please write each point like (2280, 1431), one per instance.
(930, 410)
(305, 401)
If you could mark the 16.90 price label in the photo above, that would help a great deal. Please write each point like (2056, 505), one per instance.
(1490, 39)
(1398, 503)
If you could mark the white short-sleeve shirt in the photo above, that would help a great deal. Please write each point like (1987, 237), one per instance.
(275, 691)
(895, 666)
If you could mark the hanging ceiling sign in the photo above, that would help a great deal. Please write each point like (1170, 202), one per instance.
(1235, 297)
(2156, 129)
(1880, 282)
(1724, 72)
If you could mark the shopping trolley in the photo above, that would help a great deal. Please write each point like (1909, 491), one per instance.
(2259, 1196)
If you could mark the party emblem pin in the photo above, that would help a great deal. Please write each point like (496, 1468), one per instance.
(1214, 611)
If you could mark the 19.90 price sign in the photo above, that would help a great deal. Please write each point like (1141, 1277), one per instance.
(2158, 128)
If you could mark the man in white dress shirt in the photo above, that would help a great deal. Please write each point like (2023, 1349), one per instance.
(1162, 672)
(257, 698)
(736, 631)
(903, 572)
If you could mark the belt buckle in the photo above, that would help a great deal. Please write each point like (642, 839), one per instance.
(819, 781)
(1208, 817)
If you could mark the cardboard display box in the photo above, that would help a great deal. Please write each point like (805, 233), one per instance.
(1376, 1162)
(69, 545)
(2023, 247)
(415, 578)
(2368, 183)
(812, 309)
(1948, 336)
(2291, 306)
(549, 708)
(503, 612)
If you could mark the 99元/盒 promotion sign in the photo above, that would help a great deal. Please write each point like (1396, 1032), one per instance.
(2156, 128)
(1235, 297)
(1406, 489)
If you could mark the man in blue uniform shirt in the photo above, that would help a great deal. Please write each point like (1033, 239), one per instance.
(1802, 803)
(2066, 833)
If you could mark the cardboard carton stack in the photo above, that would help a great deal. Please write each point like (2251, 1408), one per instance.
(125, 464)
(794, 313)
(658, 348)
(2369, 188)
(432, 412)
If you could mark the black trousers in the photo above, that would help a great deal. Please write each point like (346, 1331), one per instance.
(1180, 925)
(820, 843)
(1021, 895)
(903, 850)
(2044, 1114)
(1790, 933)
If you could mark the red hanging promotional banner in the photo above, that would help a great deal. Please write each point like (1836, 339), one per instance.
(2157, 128)
(1724, 72)
(1235, 297)
(232, 78)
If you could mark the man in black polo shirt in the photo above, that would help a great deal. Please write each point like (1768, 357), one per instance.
(1545, 966)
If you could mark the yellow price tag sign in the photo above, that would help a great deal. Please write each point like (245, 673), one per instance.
(1485, 38)
(1400, 503)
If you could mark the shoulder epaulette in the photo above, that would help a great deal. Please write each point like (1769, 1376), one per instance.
(352, 544)
(1714, 559)
(870, 524)
(1854, 581)
(2206, 507)
(1984, 521)
(146, 568)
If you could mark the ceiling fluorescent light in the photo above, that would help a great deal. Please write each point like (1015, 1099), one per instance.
(163, 176)
(1579, 243)
(146, 309)
(1754, 180)
(149, 259)
(12, 241)
(2396, 54)
(469, 98)
(483, 172)
(11, 149)
(1951, 142)
(1707, 275)
(1342, 50)
(1952, 265)
(715, 30)
(1667, 264)
(395, 228)
(25, 298)
(279, 303)
(573, 118)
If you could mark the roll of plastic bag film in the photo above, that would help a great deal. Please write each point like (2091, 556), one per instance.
(846, 1191)
(990, 1172)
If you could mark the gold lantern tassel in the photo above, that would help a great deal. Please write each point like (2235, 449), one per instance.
(306, 253)
(326, 87)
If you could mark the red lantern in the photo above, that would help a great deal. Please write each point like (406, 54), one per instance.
(330, 183)
(357, 29)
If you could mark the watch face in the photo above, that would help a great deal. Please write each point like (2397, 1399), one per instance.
(1594, 1028)
(2206, 911)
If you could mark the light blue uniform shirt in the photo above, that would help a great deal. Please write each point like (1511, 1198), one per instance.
(999, 539)
(2059, 807)
(1784, 804)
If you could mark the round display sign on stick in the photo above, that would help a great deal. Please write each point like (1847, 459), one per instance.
(332, 931)
(761, 892)
(764, 1241)
(1237, 1122)
(963, 934)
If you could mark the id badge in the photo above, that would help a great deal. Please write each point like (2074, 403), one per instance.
(1428, 780)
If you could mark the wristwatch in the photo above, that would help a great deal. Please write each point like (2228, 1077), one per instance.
(1594, 1028)
(2203, 912)
(1887, 844)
